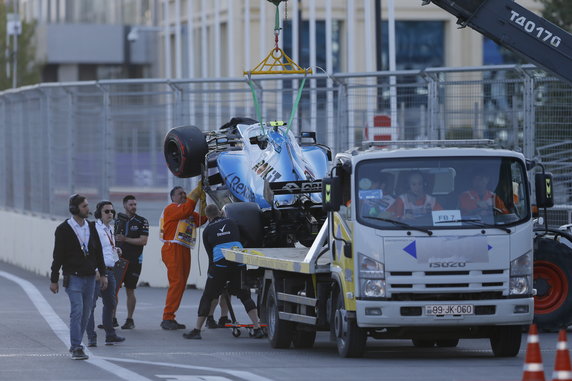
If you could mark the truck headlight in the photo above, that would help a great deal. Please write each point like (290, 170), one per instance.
(521, 275)
(373, 288)
(372, 276)
(520, 285)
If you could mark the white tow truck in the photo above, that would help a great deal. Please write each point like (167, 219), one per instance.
(433, 276)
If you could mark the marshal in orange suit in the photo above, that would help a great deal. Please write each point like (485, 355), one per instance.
(178, 230)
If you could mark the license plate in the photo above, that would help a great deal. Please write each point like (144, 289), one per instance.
(449, 309)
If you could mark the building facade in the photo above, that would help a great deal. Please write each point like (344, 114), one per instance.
(103, 39)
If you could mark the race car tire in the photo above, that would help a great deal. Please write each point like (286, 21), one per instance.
(553, 281)
(248, 218)
(185, 148)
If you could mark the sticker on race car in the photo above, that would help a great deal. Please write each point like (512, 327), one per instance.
(291, 187)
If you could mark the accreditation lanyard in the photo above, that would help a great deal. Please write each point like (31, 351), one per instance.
(85, 239)
(110, 237)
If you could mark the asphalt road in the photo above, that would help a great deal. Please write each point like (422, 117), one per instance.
(34, 346)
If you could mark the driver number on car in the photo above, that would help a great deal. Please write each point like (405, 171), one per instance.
(449, 309)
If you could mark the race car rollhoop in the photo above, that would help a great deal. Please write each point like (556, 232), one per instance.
(260, 174)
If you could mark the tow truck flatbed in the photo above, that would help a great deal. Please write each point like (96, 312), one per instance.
(285, 259)
(301, 260)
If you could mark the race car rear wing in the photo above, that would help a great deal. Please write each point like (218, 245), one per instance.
(296, 187)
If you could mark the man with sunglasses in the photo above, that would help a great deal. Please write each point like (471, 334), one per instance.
(104, 214)
(132, 232)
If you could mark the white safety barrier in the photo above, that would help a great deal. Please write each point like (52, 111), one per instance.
(28, 242)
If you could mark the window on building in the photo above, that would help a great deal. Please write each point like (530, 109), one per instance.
(304, 43)
(419, 44)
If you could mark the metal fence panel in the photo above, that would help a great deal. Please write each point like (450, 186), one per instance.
(105, 139)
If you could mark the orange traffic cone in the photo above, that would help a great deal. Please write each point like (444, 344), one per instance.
(562, 369)
(533, 368)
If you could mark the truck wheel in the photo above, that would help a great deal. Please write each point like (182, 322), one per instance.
(552, 281)
(185, 149)
(350, 338)
(304, 339)
(451, 343)
(423, 343)
(248, 218)
(280, 332)
(505, 340)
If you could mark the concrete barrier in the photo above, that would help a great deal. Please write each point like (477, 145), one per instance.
(28, 242)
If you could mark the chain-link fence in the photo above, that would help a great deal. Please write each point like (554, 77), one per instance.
(105, 139)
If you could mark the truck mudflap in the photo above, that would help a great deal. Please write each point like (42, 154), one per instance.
(378, 314)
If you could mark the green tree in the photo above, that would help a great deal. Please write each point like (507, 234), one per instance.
(28, 69)
(558, 12)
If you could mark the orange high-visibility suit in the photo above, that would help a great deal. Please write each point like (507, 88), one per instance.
(175, 255)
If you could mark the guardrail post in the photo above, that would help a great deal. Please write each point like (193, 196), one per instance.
(529, 116)
(106, 145)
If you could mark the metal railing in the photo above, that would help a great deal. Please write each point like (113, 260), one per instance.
(105, 138)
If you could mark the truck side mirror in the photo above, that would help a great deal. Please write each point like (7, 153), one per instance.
(331, 194)
(543, 185)
(347, 250)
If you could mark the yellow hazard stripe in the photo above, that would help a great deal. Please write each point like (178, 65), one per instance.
(256, 258)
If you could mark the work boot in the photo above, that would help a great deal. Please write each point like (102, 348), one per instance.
(195, 334)
(223, 321)
(171, 325)
(110, 340)
(129, 324)
(211, 323)
(258, 333)
(115, 324)
(79, 354)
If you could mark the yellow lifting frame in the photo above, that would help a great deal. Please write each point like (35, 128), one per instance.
(273, 64)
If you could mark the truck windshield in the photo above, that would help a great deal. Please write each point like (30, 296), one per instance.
(438, 193)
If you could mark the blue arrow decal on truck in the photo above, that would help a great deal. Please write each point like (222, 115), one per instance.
(411, 249)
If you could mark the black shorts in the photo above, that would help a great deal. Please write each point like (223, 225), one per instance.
(132, 275)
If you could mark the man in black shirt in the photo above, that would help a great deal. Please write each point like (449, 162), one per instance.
(222, 233)
(77, 250)
(131, 233)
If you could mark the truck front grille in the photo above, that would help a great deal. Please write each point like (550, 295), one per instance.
(447, 285)
(446, 296)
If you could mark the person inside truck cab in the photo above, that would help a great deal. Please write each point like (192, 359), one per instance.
(376, 196)
(415, 202)
(479, 199)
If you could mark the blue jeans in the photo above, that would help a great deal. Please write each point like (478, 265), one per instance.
(109, 303)
(80, 292)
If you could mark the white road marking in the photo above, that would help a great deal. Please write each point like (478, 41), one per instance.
(177, 377)
(61, 330)
(236, 373)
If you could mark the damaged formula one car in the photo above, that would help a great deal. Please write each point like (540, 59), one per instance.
(262, 176)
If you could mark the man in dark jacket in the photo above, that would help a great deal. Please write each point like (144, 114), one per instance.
(222, 233)
(77, 250)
